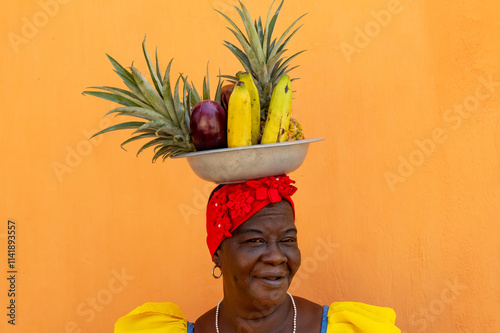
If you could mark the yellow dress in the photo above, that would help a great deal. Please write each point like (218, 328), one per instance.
(339, 317)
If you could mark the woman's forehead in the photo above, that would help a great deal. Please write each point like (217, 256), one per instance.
(273, 217)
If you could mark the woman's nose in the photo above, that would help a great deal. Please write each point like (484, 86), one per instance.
(274, 254)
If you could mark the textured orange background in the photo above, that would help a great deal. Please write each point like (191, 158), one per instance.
(400, 206)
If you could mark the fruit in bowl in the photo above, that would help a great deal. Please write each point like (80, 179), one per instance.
(209, 126)
(176, 119)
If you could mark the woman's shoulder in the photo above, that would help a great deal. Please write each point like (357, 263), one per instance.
(205, 320)
(153, 317)
(311, 314)
(307, 304)
(348, 317)
(360, 317)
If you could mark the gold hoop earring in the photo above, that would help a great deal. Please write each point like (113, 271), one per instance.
(213, 272)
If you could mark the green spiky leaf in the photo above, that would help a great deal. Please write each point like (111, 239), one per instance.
(270, 28)
(149, 144)
(186, 107)
(249, 55)
(283, 36)
(120, 69)
(151, 94)
(138, 112)
(234, 25)
(177, 99)
(252, 33)
(125, 94)
(260, 32)
(240, 55)
(158, 70)
(165, 150)
(287, 61)
(167, 91)
(111, 97)
(218, 92)
(288, 38)
(161, 125)
(206, 89)
(127, 125)
(152, 72)
(196, 96)
(138, 137)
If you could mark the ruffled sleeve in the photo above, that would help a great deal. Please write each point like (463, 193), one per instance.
(353, 317)
(153, 318)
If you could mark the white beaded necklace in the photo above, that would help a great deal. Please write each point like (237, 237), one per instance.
(294, 315)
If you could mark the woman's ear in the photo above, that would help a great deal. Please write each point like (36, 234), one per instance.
(216, 258)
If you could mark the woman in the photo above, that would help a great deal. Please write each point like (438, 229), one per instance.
(252, 238)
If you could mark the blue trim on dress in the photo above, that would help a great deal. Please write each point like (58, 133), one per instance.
(190, 327)
(324, 321)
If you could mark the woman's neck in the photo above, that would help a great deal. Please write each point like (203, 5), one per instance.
(245, 317)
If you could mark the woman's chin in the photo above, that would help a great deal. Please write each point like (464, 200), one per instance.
(270, 292)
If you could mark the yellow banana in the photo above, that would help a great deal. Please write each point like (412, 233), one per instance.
(255, 102)
(278, 114)
(239, 117)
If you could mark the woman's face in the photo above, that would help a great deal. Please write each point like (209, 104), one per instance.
(259, 261)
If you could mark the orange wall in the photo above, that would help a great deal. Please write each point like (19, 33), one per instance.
(399, 206)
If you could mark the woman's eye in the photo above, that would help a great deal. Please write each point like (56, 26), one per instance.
(289, 240)
(255, 240)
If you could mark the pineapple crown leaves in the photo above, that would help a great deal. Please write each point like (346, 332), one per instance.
(261, 54)
(165, 112)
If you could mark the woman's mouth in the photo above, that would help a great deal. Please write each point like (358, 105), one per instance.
(272, 281)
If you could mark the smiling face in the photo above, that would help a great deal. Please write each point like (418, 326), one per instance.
(259, 261)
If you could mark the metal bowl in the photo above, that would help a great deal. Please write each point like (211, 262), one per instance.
(236, 165)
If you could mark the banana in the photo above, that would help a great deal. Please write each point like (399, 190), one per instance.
(255, 102)
(278, 114)
(239, 117)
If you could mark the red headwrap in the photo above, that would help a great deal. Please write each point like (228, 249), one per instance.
(233, 204)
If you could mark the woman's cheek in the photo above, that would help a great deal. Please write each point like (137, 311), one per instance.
(295, 259)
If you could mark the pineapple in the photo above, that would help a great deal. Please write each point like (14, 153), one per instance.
(166, 113)
(295, 131)
(261, 54)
